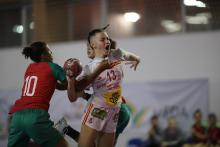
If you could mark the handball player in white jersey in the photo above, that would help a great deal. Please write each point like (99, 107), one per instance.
(101, 115)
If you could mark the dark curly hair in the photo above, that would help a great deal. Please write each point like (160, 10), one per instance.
(35, 50)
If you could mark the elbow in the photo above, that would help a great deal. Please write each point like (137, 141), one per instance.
(72, 99)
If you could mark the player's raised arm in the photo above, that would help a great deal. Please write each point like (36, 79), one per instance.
(71, 89)
(132, 59)
(72, 68)
(122, 55)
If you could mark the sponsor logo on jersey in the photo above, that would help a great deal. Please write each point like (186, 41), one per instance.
(99, 113)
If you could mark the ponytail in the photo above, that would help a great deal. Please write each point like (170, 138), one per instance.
(34, 51)
(26, 52)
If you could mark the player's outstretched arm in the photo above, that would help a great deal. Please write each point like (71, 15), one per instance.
(133, 59)
(88, 79)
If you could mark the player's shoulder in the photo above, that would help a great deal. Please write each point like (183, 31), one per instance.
(38, 65)
(96, 61)
(89, 67)
(92, 63)
(55, 66)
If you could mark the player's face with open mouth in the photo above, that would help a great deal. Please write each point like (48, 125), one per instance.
(102, 44)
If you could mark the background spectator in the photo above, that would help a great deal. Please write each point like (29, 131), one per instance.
(172, 135)
(213, 132)
(154, 135)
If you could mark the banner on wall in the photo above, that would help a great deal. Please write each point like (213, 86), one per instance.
(164, 98)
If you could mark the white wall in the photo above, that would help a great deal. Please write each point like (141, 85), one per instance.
(181, 56)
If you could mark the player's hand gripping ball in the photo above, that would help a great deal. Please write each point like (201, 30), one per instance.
(72, 67)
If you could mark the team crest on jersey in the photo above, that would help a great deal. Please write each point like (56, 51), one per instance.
(99, 113)
(115, 97)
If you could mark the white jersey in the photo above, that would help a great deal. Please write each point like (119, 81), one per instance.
(107, 86)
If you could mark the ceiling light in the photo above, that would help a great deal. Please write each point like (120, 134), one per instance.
(18, 29)
(200, 18)
(131, 16)
(171, 26)
(31, 25)
(194, 3)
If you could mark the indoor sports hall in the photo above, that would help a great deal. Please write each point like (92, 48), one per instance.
(173, 96)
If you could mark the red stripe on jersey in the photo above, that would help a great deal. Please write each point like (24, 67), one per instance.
(87, 113)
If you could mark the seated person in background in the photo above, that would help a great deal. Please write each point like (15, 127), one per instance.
(198, 137)
(198, 131)
(213, 132)
(172, 135)
(154, 135)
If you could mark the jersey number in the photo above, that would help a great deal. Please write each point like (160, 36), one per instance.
(111, 75)
(28, 89)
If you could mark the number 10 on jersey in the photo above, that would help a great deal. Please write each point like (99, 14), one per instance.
(30, 85)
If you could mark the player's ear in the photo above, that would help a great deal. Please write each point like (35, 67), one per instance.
(92, 44)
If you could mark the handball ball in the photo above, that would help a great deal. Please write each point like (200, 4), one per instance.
(72, 67)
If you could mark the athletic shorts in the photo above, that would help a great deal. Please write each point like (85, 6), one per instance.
(32, 124)
(123, 120)
(101, 118)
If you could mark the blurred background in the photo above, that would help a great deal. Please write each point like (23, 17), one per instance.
(23, 21)
(178, 42)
